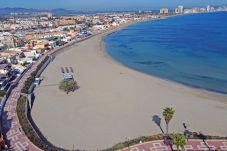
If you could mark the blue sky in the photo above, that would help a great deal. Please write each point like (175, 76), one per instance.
(91, 5)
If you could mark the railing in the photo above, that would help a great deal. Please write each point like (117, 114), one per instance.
(12, 86)
(39, 73)
(38, 133)
(43, 67)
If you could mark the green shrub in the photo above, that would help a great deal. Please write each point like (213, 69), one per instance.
(31, 79)
(27, 84)
(2, 93)
(68, 86)
(25, 124)
(28, 129)
(24, 64)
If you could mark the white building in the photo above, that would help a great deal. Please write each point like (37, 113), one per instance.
(179, 9)
(99, 27)
(32, 54)
(25, 60)
(164, 11)
(208, 8)
(49, 15)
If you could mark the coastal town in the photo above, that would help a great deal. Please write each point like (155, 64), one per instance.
(26, 39)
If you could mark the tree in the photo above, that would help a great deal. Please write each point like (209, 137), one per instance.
(168, 114)
(66, 29)
(179, 140)
(2, 93)
(68, 86)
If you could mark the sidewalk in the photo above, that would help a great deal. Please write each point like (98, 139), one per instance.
(192, 145)
(15, 136)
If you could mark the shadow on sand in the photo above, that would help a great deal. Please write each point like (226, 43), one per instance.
(157, 120)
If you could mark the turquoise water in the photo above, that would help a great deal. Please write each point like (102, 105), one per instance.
(188, 49)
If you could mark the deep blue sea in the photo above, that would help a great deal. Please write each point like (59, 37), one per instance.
(188, 49)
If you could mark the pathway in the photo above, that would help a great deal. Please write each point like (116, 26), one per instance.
(192, 145)
(17, 139)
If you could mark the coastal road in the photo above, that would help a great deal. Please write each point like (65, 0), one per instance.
(192, 145)
(15, 136)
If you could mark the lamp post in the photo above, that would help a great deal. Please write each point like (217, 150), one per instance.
(127, 140)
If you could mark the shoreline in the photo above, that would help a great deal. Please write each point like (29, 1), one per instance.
(197, 91)
(105, 107)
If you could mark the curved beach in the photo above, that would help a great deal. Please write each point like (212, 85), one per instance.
(115, 102)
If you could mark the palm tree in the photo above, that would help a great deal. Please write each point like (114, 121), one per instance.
(179, 140)
(168, 113)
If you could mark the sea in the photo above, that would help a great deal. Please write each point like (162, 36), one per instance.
(188, 49)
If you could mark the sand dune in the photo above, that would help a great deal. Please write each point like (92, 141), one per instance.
(115, 102)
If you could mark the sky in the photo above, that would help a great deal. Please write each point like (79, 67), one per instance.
(104, 5)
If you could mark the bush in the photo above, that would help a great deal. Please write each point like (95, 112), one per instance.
(27, 84)
(2, 93)
(24, 64)
(28, 129)
(21, 112)
(31, 79)
(68, 86)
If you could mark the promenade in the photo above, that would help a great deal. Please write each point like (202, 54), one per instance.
(15, 136)
(192, 145)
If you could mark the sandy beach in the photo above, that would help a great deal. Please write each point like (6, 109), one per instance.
(115, 102)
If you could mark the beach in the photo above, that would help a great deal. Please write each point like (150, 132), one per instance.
(115, 102)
